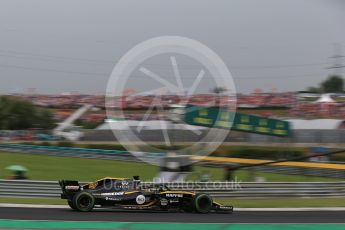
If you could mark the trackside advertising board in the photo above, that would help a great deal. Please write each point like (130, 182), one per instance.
(221, 118)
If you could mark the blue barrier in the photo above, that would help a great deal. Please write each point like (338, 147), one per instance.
(70, 149)
(57, 148)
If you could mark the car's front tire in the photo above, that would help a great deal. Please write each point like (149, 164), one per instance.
(83, 201)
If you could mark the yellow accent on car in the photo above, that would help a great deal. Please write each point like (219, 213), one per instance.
(127, 193)
(113, 178)
(216, 203)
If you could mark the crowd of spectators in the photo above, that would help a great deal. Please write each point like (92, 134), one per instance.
(66, 104)
(258, 100)
(318, 110)
(138, 102)
(65, 101)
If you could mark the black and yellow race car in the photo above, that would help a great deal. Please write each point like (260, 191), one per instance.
(129, 194)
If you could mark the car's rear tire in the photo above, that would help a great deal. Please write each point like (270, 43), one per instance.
(71, 205)
(83, 201)
(202, 203)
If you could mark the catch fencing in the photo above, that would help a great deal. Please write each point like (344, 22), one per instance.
(248, 190)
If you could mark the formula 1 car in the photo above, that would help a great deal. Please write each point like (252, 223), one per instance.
(128, 194)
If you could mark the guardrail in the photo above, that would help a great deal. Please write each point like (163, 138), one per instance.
(51, 189)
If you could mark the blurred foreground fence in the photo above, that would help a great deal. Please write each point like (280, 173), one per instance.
(51, 189)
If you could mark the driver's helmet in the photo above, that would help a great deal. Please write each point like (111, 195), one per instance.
(136, 182)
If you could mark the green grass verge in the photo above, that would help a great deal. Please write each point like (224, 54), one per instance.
(248, 175)
(237, 203)
(55, 168)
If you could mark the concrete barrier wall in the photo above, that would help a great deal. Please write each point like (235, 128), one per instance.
(298, 136)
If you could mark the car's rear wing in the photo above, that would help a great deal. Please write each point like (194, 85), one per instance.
(69, 188)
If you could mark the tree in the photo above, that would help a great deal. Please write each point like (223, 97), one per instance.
(17, 114)
(334, 84)
(313, 89)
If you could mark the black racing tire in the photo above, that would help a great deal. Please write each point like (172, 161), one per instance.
(83, 201)
(202, 203)
(70, 204)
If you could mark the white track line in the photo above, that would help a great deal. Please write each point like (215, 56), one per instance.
(8, 205)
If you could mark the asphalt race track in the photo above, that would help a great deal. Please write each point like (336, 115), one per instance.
(139, 216)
